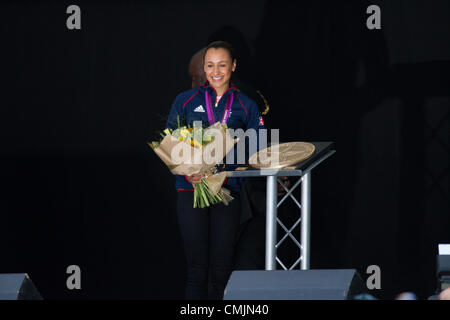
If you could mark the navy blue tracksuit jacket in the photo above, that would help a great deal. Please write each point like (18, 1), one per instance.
(190, 106)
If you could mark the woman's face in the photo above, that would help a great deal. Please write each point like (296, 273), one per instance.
(218, 68)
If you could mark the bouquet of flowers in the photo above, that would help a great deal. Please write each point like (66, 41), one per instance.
(197, 150)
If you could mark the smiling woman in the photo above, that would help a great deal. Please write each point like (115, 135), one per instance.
(219, 64)
(209, 233)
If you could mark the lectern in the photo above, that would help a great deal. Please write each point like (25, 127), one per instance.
(302, 170)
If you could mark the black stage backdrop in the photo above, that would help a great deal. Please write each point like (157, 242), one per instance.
(80, 186)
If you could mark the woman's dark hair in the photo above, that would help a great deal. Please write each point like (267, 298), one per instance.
(221, 44)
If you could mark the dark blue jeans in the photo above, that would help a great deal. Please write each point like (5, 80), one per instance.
(208, 236)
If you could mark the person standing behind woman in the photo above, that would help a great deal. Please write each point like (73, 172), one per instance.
(208, 234)
(196, 70)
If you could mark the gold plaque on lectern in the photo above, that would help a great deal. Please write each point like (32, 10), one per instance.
(282, 155)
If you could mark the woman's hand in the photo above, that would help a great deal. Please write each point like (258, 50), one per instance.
(195, 179)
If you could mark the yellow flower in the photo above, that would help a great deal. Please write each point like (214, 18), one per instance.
(196, 144)
(185, 133)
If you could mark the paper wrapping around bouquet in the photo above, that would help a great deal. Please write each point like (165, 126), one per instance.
(215, 183)
(192, 158)
(282, 155)
(226, 196)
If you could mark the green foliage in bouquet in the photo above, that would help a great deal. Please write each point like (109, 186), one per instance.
(203, 197)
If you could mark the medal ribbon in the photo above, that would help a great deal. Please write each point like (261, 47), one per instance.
(210, 112)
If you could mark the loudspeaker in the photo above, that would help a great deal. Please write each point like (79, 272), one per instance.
(18, 286)
(443, 271)
(338, 284)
